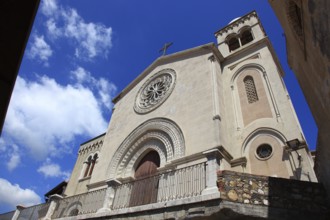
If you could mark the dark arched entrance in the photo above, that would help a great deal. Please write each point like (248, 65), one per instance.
(145, 188)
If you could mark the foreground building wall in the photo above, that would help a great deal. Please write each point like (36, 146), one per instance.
(307, 30)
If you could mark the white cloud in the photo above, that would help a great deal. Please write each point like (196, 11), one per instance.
(95, 39)
(44, 116)
(14, 158)
(81, 75)
(105, 88)
(2, 145)
(49, 7)
(40, 50)
(12, 195)
(49, 169)
(52, 28)
(90, 39)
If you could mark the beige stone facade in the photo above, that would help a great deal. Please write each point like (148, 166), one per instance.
(207, 108)
(186, 117)
(307, 31)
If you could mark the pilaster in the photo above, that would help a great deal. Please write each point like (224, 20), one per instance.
(18, 210)
(212, 166)
(53, 203)
(109, 195)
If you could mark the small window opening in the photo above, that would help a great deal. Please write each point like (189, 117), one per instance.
(90, 165)
(246, 37)
(89, 161)
(233, 44)
(250, 89)
(264, 151)
(74, 212)
(294, 13)
(93, 164)
(298, 15)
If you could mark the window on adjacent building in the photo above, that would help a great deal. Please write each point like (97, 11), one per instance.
(246, 37)
(295, 18)
(250, 89)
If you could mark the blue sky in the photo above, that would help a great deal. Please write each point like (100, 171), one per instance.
(80, 54)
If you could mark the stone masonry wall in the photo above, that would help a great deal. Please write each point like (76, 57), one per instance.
(272, 192)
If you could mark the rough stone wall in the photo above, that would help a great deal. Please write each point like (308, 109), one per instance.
(272, 192)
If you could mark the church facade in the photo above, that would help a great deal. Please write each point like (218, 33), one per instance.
(188, 123)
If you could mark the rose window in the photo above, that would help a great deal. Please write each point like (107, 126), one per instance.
(155, 91)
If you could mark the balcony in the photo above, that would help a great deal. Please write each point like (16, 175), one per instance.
(167, 188)
(182, 193)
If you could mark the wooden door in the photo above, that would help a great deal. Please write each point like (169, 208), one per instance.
(145, 188)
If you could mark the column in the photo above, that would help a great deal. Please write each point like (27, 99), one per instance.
(53, 203)
(212, 166)
(109, 195)
(19, 208)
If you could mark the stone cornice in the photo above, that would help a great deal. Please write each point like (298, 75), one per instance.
(237, 23)
(96, 144)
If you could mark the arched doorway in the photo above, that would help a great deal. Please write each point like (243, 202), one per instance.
(145, 186)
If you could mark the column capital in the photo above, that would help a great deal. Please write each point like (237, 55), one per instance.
(211, 58)
(55, 197)
(212, 152)
(112, 182)
(20, 207)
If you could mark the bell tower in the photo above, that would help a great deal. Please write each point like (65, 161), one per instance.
(260, 119)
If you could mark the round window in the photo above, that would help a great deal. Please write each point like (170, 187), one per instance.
(155, 91)
(264, 151)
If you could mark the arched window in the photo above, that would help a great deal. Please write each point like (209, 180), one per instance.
(90, 165)
(74, 212)
(95, 157)
(250, 89)
(88, 162)
(233, 43)
(246, 37)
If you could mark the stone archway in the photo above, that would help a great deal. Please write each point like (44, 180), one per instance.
(158, 134)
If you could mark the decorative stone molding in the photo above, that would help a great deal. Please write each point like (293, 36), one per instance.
(239, 22)
(159, 134)
(263, 131)
(230, 159)
(155, 91)
(92, 147)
